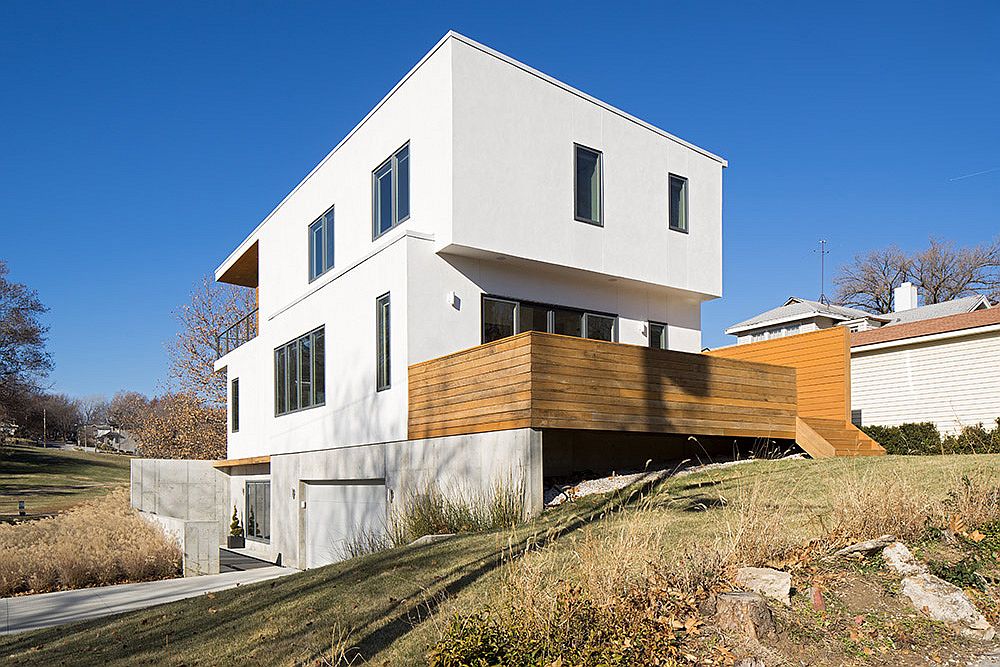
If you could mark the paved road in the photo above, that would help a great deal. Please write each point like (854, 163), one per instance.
(30, 612)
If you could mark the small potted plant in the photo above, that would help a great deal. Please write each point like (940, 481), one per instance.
(235, 540)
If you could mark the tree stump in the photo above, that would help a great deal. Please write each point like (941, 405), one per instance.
(745, 614)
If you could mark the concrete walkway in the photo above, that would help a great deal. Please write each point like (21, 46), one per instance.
(30, 612)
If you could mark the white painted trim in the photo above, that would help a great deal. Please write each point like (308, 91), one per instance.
(248, 241)
(930, 338)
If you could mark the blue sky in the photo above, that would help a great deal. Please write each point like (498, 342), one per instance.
(141, 142)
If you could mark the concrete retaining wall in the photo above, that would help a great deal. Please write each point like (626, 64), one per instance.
(188, 500)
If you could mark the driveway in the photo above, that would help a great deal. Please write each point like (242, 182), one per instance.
(30, 612)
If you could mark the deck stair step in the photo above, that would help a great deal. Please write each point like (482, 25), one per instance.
(823, 438)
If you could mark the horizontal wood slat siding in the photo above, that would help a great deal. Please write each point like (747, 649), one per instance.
(543, 380)
(822, 360)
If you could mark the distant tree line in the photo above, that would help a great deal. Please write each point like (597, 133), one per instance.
(941, 272)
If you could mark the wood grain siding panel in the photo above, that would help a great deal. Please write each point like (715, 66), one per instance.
(822, 360)
(543, 380)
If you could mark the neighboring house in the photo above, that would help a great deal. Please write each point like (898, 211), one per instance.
(939, 362)
(105, 436)
(944, 370)
(443, 301)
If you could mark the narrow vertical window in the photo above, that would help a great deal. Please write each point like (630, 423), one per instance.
(391, 192)
(587, 186)
(382, 343)
(234, 405)
(678, 203)
(657, 336)
(258, 510)
(321, 238)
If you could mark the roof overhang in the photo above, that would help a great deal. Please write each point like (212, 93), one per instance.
(241, 268)
(249, 461)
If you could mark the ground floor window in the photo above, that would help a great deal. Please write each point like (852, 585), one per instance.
(505, 317)
(258, 513)
(657, 336)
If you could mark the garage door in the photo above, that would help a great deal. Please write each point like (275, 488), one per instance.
(339, 513)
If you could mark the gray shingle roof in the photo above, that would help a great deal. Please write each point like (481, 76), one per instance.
(954, 307)
(797, 308)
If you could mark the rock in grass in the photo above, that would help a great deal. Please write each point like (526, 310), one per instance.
(744, 614)
(899, 559)
(430, 539)
(770, 583)
(947, 603)
(866, 548)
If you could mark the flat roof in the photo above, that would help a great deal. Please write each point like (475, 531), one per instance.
(451, 34)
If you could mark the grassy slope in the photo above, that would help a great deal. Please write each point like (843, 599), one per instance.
(52, 480)
(379, 599)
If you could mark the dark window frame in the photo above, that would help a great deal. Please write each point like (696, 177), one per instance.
(393, 162)
(234, 405)
(600, 185)
(250, 496)
(383, 348)
(550, 309)
(327, 224)
(671, 223)
(663, 335)
(284, 390)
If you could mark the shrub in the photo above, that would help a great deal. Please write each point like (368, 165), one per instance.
(100, 542)
(917, 438)
(974, 440)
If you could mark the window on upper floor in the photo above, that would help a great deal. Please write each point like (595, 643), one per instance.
(299, 373)
(391, 192)
(383, 378)
(234, 405)
(678, 203)
(505, 317)
(657, 336)
(587, 185)
(321, 245)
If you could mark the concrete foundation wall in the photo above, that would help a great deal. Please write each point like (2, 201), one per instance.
(188, 500)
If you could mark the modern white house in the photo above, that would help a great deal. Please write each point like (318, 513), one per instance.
(935, 363)
(478, 200)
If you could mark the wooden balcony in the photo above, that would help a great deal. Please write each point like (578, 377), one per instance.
(546, 381)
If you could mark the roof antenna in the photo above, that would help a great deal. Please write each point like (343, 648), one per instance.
(823, 252)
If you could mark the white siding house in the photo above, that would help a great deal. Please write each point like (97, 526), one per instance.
(943, 370)
(480, 198)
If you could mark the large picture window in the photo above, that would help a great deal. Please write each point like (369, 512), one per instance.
(299, 373)
(321, 245)
(391, 192)
(383, 377)
(258, 510)
(588, 165)
(506, 317)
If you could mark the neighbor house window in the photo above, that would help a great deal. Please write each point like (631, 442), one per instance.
(299, 373)
(321, 245)
(657, 336)
(258, 511)
(382, 339)
(234, 403)
(856, 418)
(587, 185)
(506, 317)
(391, 192)
(678, 203)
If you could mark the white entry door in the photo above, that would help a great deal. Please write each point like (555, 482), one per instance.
(339, 513)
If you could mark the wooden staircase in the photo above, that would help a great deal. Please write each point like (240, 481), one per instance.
(823, 438)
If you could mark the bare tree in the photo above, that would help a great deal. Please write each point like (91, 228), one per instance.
(867, 283)
(213, 307)
(127, 410)
(93, 409)
(941, 272)
(23, 358)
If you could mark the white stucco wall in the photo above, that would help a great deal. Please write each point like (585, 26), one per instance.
(953, 382)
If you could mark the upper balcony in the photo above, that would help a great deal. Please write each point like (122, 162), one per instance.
(236, 334)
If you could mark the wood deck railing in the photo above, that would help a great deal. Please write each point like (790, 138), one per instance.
(541, 380)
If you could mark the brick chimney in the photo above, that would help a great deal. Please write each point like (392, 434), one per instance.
(904, 297)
